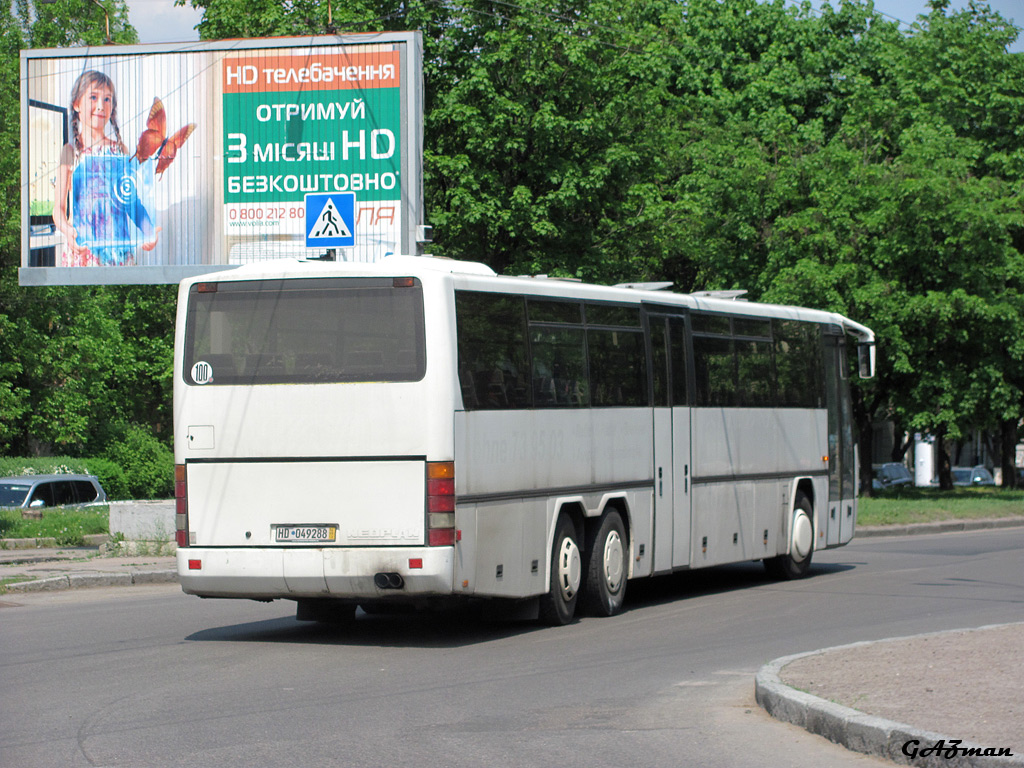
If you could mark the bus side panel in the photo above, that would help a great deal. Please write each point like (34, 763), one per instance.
(508, 548)
(754, 441)
(531, 461)
(532, 450)
(240, 504)
(744, 460)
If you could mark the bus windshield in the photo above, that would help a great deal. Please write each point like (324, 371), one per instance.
(305, 331)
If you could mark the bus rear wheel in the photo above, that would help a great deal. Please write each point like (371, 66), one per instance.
(558, 606)
(606, 567)
(795, 563)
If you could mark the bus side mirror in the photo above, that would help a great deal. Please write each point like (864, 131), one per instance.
(866, 359)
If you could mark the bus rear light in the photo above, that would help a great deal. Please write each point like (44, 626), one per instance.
(441, 504)
(206, 287)
(403, 282)
(442, 520)
(181, 537)
(195, 565)
(441, 537)
(441, 487)
(415, 562)
(440, 469)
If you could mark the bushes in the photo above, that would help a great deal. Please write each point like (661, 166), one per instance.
(137, 467)
(148, 464)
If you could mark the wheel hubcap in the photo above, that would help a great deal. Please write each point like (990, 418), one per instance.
(802, 535)
(613, 561)
(570, 569)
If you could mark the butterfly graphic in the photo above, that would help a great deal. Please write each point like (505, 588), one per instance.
(154, 141)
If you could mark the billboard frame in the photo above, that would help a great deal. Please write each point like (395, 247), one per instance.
(411, 161)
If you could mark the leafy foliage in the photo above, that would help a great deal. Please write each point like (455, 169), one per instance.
(147, 463)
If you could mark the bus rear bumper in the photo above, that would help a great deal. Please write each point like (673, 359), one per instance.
(343, 572)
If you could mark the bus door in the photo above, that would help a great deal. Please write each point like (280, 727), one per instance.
(842, 470)
(671, 442)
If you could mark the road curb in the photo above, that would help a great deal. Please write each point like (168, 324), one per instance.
(858, 731)
(112, 579)
(91, 540)
(950, 526)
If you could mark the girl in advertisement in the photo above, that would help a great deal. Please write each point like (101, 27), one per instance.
(97, 206)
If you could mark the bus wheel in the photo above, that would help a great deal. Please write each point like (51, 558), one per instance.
(559, 604)
(801, 544)
(606, 570)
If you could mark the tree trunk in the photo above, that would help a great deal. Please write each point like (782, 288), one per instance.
(945, 467)
(1008, 452)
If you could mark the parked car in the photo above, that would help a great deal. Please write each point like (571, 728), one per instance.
(890, 475)
(36, 491)
(973, 476)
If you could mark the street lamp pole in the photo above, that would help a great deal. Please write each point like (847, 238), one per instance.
(107, 17)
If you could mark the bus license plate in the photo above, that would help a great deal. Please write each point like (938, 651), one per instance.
(306, 534)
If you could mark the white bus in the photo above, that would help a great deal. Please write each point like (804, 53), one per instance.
(422, 429)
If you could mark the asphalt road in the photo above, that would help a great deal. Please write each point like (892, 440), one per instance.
(147, 676)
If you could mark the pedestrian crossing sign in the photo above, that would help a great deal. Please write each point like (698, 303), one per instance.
(331, 220)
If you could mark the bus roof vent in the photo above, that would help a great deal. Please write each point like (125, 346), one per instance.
(729, 295)
(554, 277)
(662, 286)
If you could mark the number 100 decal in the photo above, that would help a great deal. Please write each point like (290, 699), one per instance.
(202, 372)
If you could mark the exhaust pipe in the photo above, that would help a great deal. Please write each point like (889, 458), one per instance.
(388, 581)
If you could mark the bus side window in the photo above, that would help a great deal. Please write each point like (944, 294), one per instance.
(618, 367)
(715, 368)
(492, 350)
(659, 362)
(559, 366)
(799, 365)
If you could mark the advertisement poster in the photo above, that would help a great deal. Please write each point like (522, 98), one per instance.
(144, 165)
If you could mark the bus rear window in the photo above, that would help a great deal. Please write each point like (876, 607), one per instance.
(305, 331)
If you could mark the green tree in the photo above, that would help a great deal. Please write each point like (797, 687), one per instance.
(77, 365)
(70, 23)
(903, 211)
(546, 145)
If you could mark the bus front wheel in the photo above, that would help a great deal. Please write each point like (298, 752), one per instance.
(558, 606)
(795, 563)
(606, 569)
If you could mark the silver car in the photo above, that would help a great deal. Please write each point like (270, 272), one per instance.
(36, 491)
(972, 476)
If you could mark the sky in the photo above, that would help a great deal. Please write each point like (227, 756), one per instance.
(159, 21)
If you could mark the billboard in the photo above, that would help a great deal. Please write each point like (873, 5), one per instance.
(150, 163)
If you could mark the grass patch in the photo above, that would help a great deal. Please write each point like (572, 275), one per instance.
(4, 583)
(68, 525)
(928, 505)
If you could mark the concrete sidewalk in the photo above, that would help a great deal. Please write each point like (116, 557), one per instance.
(940, 699)
(44, 569)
